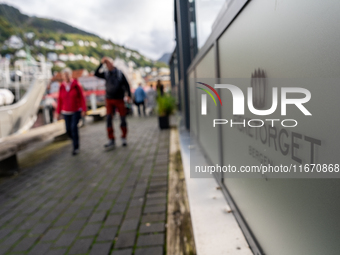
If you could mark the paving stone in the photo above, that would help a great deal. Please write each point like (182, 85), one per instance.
(40, 228)
(17, 220)
(159, 183)
(134, 212)
(118, 208)
(66, 239)
(90, 230)
(148, 251)
(4, 249)
(13, 238)
(160, 201)
(157, 195)
(28, 224)
(76, 225)
(97, 217)
(52, 234)
(129, 224)
(25, 244)
(63, 221)
(40, 249)
(100, 249)
(107, 234)
(64, 196)
(114, 220)
(81, 246)
(85, 213)
(57, 252)
(154, 209)
(137, 202)
(123, 252)
(51, 216)
(5, 232)
(104, 206)
(125, 240)
(149, 240)
(152, 227)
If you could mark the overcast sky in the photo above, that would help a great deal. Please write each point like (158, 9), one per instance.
(144, 25)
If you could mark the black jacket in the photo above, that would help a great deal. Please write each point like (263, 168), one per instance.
(116, 83)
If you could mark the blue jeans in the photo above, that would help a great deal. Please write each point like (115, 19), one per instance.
(71, 122)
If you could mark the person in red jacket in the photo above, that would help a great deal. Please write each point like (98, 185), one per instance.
(72, 105)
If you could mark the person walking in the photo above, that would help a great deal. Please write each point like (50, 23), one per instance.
(140, 98)
(49, 107)
(151, 95)
(72, 105)
(160, 88)
(116, 87)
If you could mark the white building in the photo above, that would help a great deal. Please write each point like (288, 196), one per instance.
(52, 56)
(79, 57)
(67, 43)
(94, 61)
(81, 43)
(136, 55)
(107, 47)
(87, 58)
(29, 35)
(21, 54)
(58, 46)
(14, 42)
(93, 44)
(60, 64)
(71, 57)
(63, 57)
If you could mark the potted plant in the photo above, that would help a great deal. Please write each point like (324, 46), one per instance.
(166, 105)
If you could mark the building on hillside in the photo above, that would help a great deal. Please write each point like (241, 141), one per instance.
(162, 74)
(94, 61)
(58, 46)
(79, 57)
(135, 55)
(67, 43)
(52, 56)
(93, 44)
(60, 64)
(63, 57)
(14, 42)
(21, 54)
(29, 35)
(71, 57)
(107, 47)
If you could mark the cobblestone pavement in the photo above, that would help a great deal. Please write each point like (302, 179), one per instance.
(98, 202)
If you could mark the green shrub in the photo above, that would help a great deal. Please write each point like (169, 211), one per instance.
(166, 105)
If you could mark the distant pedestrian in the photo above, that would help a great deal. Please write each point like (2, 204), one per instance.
(151, 95)
(72, 105)
(160, 88)
(140, 98)
(116, 87)
(50, 105)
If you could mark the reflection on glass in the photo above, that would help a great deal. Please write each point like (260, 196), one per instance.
(206, 13)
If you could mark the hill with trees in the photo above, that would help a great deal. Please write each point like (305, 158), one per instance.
(38, 34)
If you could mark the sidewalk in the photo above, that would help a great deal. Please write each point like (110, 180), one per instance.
(94, 203)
